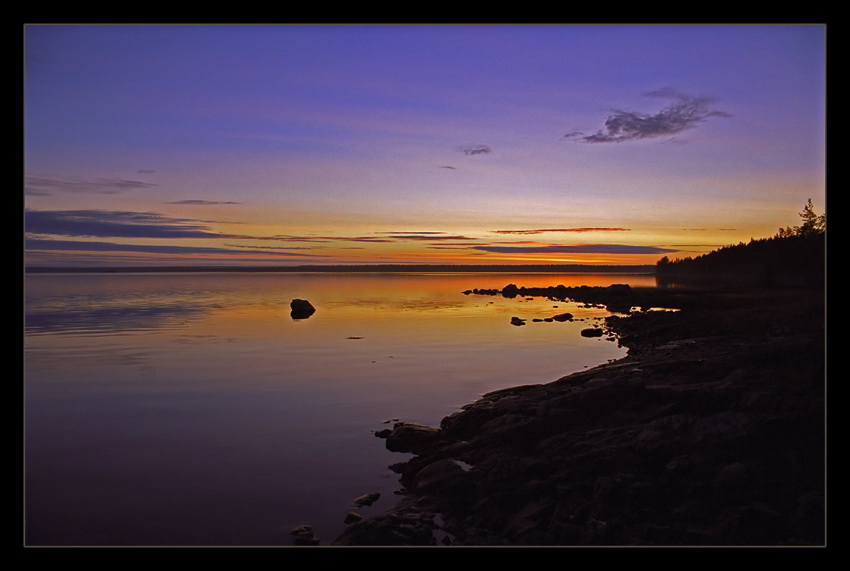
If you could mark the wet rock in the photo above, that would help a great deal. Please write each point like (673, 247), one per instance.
(304, 535)
(592, 332)
(301, 309)
(405, 527)
(366, 499)
(510, 290)
(710, 432)
(517, 321)
(410, 437)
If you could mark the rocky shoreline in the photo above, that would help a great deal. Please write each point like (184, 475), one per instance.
(710, 432)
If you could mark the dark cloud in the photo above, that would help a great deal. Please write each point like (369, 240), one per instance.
(429, 237)
(43, 186)
(448, 167)
(685, 112)
(423, 235)
(197, 202)
(414, 232)
(357, 239)
(36, 244)
(112, 224)
(318, 239)
(272, 248)
(470, 150)
(580, 229)
(575, 249)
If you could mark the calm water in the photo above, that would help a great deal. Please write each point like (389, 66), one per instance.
(190, 409)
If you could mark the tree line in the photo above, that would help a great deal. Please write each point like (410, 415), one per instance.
(794, 256)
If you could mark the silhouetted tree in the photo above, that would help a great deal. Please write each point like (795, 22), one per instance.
(812, 223)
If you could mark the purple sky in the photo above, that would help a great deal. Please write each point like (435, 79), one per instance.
(427, 144)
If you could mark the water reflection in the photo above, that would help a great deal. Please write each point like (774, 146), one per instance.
(213, 418)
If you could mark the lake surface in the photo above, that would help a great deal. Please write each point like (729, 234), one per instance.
(192, 410)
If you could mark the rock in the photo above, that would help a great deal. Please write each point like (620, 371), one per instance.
(366, 499)
(709, 432)
(304, 535)
(592, 332)
(301, 309)
(510, 290)
(352, 517)
(563, 317)
(517, 321)
(410, 437)
(411, 527)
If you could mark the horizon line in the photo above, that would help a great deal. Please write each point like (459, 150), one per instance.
(593, 268)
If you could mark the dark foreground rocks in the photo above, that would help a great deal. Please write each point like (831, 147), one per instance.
(710, 432)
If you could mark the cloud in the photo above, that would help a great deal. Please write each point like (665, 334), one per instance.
(320, 239)
(43, 186)
(685, 112)
(543, 230)
(471, 150)
(423, 235)
(197, 202)
(112, 224)
(575, 249)
(429, 237)
(37, 244)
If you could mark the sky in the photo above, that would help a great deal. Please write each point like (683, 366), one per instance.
(426, 144)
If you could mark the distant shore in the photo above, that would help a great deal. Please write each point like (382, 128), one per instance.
(354, 268)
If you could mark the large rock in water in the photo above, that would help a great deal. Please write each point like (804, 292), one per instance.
(301, 309)
(410, 437)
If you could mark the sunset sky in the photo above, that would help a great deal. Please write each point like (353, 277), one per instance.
(456, 144)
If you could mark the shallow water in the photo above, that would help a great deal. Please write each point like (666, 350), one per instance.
(190, 409)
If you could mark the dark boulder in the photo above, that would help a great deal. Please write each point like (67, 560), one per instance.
(510, 290)
(366, 499)
(301, 309)
(410, 437)
(592, 332)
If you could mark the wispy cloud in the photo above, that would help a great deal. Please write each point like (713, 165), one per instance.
(685, 112)
(545, 230)
(44, 186)
(429, 237)
(197, 202)
(112, 224)
(471, 150)
(575, 249)
(128, 224)
(37, 244)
